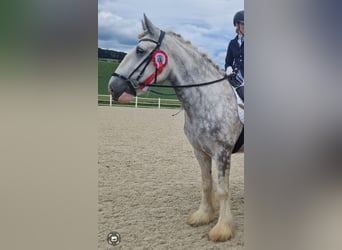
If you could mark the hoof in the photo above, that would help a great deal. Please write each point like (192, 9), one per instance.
(200, 217)
(221, 232)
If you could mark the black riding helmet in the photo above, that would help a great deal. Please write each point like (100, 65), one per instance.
(239, 17)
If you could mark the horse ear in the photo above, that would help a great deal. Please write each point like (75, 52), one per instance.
(143, 25)
(148, 26)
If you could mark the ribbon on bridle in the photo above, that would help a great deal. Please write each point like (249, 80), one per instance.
(159, 61)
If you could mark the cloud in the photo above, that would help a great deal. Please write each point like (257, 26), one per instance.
(117, 29)
(207, 24)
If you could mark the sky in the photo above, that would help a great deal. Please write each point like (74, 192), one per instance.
(208, 24)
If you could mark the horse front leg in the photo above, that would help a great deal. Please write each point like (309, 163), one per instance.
(223, 230)
(205, 213)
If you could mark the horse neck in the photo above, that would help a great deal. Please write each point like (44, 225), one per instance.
(192, 67)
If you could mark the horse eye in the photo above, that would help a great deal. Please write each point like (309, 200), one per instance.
(140, 51)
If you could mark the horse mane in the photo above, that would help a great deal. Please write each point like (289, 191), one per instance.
(182, 40)
(142, 34)
(204, 55)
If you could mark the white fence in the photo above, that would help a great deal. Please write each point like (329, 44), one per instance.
(104, 100)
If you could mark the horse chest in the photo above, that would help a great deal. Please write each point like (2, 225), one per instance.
(202, 131)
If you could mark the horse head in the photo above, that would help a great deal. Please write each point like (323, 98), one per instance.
(145, 64)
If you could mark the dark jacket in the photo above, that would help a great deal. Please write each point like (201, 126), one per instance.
(235, 56)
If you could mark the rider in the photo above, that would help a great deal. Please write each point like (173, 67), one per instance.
(234, 65)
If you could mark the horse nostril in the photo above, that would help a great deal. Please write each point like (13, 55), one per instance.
(110, 90)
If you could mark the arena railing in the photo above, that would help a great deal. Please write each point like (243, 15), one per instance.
(107, 100)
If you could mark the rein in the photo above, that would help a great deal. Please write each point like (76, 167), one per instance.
(181, 86)
(134, 84)
(186, 86)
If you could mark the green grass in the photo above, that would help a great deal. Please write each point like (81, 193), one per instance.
(107, 66)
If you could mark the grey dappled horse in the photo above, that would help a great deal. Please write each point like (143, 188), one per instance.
(212, 123)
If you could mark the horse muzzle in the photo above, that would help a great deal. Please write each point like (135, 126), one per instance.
(120, 89)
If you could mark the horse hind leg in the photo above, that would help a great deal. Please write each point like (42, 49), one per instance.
(205, 213)
(223, 230)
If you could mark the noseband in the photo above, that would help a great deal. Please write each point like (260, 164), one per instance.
(133, 84)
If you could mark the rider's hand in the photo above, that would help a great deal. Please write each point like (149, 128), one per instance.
(229, 70)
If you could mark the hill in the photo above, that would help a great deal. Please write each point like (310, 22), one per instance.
(110, 54)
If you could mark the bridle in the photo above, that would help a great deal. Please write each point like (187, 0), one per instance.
(134, 84)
